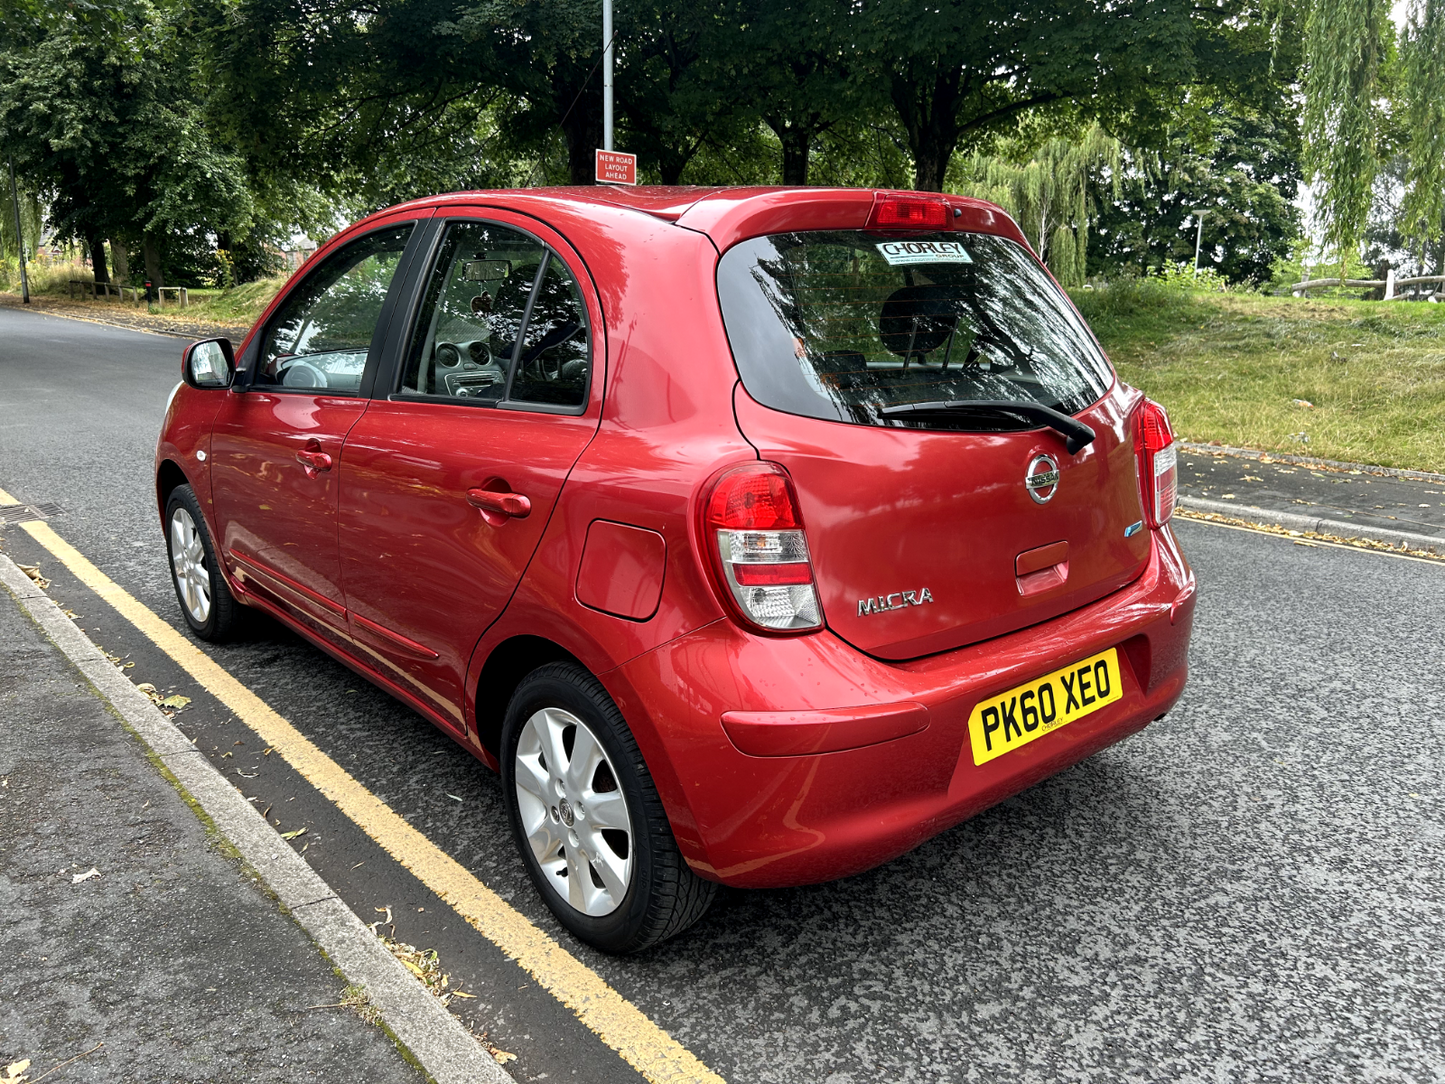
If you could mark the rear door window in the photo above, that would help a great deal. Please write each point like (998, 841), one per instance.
(502, 322)
(842, 325)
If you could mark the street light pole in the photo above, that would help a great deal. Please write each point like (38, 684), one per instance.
(1198, 240)
(606, 75)
(19, 236)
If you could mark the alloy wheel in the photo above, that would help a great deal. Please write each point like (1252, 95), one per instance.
(188, 560)
(573, 812)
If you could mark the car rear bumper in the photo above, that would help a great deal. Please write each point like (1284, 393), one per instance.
(901, 767)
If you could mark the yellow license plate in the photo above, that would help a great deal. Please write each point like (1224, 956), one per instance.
(1026, 713)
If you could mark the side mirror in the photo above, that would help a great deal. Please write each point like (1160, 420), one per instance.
(209, 363)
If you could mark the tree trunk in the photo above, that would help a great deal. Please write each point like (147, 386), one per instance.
(96, 244)
(797, 142)
(927, 104)
(122, 260)
(583, 129)
(153, 262)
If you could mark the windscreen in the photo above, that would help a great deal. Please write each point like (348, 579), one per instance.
(843, 325)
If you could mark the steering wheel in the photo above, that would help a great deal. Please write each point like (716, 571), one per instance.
(302, 374)
(556, 337)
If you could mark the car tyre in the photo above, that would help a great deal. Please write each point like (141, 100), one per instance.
(565, 745)
(206, 602)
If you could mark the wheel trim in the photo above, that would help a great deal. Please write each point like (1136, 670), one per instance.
(554, 785)
(188, 561)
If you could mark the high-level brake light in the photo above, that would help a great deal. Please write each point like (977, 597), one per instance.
(909, 212)
(1158, 463)
(759, 550)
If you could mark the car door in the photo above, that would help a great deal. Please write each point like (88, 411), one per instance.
(449, 478)
(277, 442)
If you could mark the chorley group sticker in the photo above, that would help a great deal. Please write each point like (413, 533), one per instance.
(905, 252)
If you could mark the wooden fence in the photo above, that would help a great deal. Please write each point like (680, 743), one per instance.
(85, 288)
(1391, 284)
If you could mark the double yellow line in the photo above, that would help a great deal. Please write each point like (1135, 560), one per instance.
(616, 1021)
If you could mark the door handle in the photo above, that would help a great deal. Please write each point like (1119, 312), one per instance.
(317, 461)
(503, 504)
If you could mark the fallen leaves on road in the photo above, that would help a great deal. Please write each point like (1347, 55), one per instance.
(87, 875)
(423, 963)
(33, 571)
(293, 835)
(175, 702)
(1319, 536)
(15, 1071)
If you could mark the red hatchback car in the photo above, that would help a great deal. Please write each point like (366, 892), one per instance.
(754, 535)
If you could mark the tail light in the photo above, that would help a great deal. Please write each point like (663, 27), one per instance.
(920, 212)
(1158, 463)
(759, 549)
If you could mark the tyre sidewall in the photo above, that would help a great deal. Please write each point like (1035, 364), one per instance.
(211, 629)
(551, 687)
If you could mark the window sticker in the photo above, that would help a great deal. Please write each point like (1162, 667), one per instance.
(900, 253)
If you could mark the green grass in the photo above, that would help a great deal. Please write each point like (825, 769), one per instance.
(1229, 367)
(238, 307)
(241, 305)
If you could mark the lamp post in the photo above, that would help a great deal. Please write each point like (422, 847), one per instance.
(19, 234)
(1198, 239)
(606, 75)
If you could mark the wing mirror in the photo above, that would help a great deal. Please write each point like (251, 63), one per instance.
(209, 363)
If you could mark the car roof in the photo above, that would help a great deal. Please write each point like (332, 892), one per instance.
(727, 214)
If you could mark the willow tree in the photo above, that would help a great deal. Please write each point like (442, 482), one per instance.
(1345, 47)
(1423, 52)
(1052, 194)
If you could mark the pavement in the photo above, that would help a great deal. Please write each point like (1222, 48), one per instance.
(1248, 890)
(1353, 500)
(133, 938)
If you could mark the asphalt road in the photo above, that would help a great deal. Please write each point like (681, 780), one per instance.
(1249, 890)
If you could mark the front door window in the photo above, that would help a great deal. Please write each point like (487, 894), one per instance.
(321, 337)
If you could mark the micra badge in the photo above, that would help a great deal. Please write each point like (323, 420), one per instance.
(896, 601)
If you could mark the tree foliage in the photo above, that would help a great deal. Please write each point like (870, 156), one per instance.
(1054, 194)
(1237, 164)
(195, 124)
(1346, 43)
(106, 121)
(1423, 54)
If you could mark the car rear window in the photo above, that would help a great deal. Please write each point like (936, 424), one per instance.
(840, 325)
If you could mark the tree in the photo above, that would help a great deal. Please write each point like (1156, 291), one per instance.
(1423, 52)
(1052, 192)
(958, 70)
(1345, 48)
(789, 60)
(103, 118)
(1239, 165)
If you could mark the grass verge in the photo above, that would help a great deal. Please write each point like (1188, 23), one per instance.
(1362, 381)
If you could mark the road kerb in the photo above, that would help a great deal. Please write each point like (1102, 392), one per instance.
(621, 1025)
(1293, 521)
(419, 1022)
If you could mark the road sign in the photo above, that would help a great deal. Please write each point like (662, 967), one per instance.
(616, 167)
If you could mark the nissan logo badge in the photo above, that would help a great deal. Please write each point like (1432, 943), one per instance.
(1042, 478)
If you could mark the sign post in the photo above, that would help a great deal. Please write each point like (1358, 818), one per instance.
(606, 79)
(616, 167)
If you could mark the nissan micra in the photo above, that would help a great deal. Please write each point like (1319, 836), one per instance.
(753, 535)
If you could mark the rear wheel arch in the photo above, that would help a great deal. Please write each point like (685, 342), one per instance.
(507, 667)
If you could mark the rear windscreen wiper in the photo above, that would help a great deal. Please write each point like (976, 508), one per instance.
(1077, 433)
